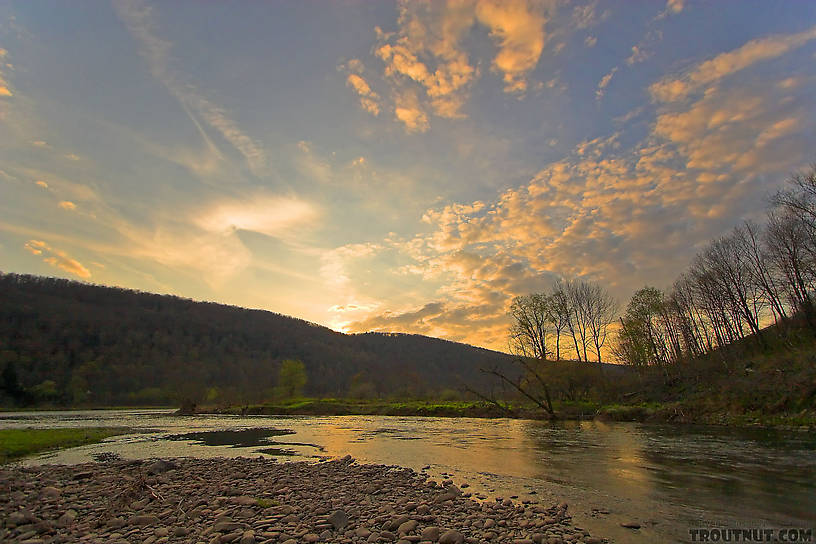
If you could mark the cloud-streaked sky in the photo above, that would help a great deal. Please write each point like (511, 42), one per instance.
(393, 166)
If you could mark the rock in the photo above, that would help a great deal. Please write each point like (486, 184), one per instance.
(248, 537)
(430, 533)
(593, 540)
(395, 522)
(451, 537)
(631, 525)
(407, 527)
(161, 531)
(387, 535)
(326, 535)
(181, 531)
(444, 497)
(226, 526)
(160, 466)
(116, 523)
(310, 537)
(51, 492)
(339, 519)
(84, 475)
(66, 519)
(362, 532)
(290, 541)
(142, 520)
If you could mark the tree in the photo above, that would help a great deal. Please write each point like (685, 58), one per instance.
(637, 337)
(291, 378)
(528, 332)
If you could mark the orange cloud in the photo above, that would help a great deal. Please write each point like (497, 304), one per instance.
(67, 205)
(518, 29)
(674, 88)
(57, 258)
(369, 100)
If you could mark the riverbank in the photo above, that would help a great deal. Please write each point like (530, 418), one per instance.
(683, 412)
(258, 500)
(18, 443)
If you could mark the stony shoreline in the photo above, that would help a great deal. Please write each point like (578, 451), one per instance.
(249, 501)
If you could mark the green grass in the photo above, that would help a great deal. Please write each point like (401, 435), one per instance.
(17, 443)
(383, 407)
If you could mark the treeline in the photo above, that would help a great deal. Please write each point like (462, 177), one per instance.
(736, 286)
(71, 343)
(575, 313)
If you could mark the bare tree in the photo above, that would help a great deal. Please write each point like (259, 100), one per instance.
(528, 332)
(601, 311)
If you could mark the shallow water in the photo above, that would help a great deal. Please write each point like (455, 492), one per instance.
(667, 478)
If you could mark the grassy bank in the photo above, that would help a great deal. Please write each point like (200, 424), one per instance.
(341, 407)
(17, 443)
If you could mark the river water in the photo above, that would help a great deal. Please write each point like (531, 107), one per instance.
(668, 479)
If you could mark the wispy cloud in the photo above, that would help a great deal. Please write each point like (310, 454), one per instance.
(674, 88)
(369, 100)
(57, 258)
(138, 17)
(5, 92)
(67, 205)
(604, 83)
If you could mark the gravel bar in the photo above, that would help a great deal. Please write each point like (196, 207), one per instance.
(249, 501)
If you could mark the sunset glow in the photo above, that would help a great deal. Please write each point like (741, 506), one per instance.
(401, 167)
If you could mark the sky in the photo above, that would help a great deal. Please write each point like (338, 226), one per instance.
(403, 167)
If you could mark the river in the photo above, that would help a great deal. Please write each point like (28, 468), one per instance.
(668, 479)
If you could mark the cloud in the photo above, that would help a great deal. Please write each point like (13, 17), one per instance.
(57, 258)
(408, 111)
(425, 58)
(369, 100)
(518, 29)
(590, 41)
(138, 18)
(638, 55)
(67, 205)
(72, 156)
(42, 184)
(604, 82)
(618, 214)
(41, 143)
(585, 16)
(272, 216)
(675, 88)
(675, 6)
(5, 91)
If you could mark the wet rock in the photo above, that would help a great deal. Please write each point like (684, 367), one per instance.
(630, 525)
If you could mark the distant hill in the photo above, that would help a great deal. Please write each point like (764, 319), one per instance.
(77, 343)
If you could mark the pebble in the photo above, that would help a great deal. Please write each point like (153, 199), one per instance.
(249, 501)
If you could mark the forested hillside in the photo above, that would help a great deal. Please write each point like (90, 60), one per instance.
(78, 344)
